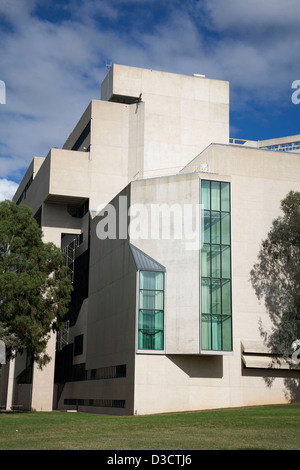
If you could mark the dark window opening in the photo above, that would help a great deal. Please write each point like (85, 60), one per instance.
(78, 345)
(80, 211)
(111, 372)
(100, 402)
(80, 286)
(82, 137)
(25, 377)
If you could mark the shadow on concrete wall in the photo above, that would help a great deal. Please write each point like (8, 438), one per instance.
(199, 366)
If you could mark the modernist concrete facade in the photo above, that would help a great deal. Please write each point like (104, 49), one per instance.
(161, 216)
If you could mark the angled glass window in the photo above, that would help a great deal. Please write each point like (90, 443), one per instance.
(225, 228)
(205, 195)
(151, 311)
(207, 226)
(205, 260)
(205, 295)
(215, 227)
(216, 310)
(226, 262)
(215, 195)
(225, 197)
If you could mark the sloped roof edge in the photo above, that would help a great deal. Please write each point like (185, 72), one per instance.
(144, 262)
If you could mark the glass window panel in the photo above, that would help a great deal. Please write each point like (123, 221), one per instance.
(151, 280)
(205, 194)
(216, 332)
(151, 319)
(159, 319)
(225, 197)
(205, 295)
(206, 230)
(205, 261)
(151, 339)
(144, 340)
(145, 319)
(151, 315)
(225, 226)
(159, 340)
(227, 335)
(215, 261)
(151, 299)
(216, 267)
(226, 297)
(206, 332)
(216, 296)
(215, 227)
(159, 300)
(226, 262)
(215, 196)
(141, 319)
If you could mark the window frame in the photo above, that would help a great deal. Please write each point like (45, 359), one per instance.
(140, 308)
(208, 247)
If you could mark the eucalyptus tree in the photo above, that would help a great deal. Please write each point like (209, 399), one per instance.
(34, 287)
(276, 276)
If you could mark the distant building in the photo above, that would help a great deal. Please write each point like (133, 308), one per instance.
(160, 215)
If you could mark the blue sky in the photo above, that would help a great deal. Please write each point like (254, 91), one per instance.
(53, 57)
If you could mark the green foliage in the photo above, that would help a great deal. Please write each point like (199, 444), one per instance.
(276, 275)
(34, 289)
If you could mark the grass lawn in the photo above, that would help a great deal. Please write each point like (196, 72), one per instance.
(275, 427)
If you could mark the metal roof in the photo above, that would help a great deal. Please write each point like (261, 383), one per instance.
(144, 262)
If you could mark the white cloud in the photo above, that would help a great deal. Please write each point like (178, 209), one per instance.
(254, 45)
(254, 16)
(7, 189)
(51, 75)
(52, 69)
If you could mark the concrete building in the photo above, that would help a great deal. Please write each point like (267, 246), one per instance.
(160, 215)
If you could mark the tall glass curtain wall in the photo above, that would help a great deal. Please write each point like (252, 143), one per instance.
(216, 311)
(151, 310)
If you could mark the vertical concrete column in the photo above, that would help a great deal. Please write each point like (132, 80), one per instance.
(43, 381)
(10, 384)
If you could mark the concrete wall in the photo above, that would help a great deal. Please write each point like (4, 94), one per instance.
(108, 322)
(115, 157)
(260, 180)
(111, 318)
(183, 114)
(172, 379)
(179, 254)
(116, 143)
(186, 381)
(289, 143)
(32, 171)
(42, 391)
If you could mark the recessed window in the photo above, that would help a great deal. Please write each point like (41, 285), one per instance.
(78, 345)
(86, 131)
